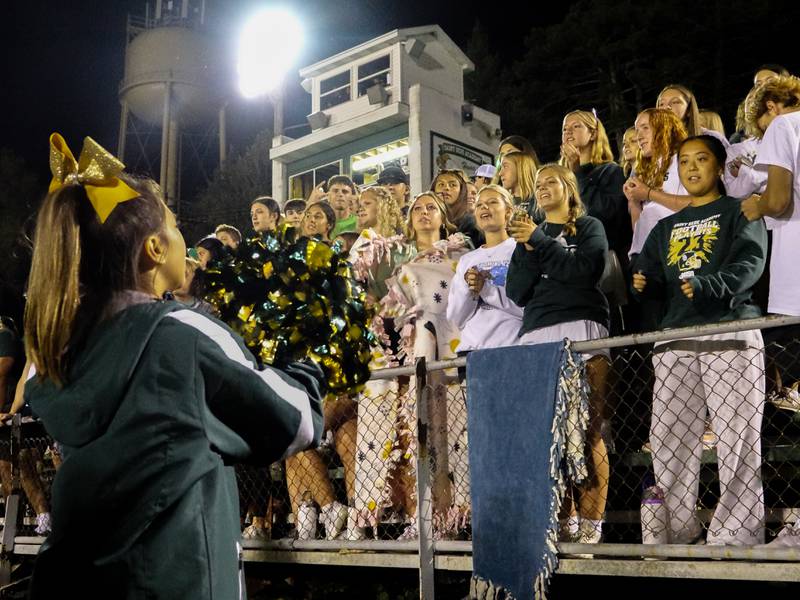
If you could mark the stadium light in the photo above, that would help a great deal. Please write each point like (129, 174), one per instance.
(269, 45)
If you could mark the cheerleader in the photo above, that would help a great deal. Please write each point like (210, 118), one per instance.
(150, 401)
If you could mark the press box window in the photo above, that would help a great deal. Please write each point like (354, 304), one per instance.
(300, 185)
(374, 72)
(334, 90)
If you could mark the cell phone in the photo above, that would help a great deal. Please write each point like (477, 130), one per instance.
(519, 214)
(746, 161)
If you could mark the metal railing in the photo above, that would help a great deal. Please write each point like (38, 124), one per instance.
(392, 481)
(629, 399)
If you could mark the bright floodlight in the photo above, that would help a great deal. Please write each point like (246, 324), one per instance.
(268, 47)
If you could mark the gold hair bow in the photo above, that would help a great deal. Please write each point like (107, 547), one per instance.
(97, 170)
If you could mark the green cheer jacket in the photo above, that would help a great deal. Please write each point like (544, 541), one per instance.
(160, 402)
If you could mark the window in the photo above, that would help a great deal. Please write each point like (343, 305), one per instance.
(300, 185)
(366, 166)
(334, 90)
(375, 72)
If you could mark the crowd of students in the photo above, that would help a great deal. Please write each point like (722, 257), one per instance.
(524, 253)
(673, 234)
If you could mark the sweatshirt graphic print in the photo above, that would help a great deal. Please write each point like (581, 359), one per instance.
(692, 244)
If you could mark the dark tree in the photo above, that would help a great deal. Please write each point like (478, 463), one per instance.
(227, 197)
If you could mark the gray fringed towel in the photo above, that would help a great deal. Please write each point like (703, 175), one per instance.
(527, 414)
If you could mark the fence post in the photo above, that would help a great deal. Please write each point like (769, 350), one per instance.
(424, 492)
(12, 503)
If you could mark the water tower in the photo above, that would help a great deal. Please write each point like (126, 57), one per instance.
(171, 95)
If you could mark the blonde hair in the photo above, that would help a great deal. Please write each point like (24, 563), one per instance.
(506, 196)
(447, 226)
(627, 164)
(526, 173)
(711, 121)
(570, 183)
(601, 148)
(78, 263)
(504, 193)
(390, 217)
(784, 89)
(668, 133)
(691, 120)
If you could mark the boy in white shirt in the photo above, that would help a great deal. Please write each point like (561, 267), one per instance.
(775, 109)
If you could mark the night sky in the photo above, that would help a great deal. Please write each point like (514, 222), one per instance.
(64, 60)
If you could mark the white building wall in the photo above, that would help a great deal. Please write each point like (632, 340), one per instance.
(430, 110)
(435, 69)
(280, 181)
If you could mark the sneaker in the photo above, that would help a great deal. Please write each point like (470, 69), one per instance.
(410, 532)
(566, 534)
(43, 526)
(786, 398)
(333, 518)
(587, 534)
(254, 532)
(306, 522)
(788, 537)
(354, 533)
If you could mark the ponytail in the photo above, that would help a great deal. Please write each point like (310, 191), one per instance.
(54, 293)
(78, 264)
(572, 217)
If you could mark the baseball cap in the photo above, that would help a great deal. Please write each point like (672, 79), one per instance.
(485, 171)
(392, 175)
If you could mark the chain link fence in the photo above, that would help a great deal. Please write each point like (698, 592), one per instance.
(701, 437)
(704, 440)
(700, 432)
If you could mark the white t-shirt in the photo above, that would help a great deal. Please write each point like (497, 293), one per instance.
(491, 320)
(717, 135)
(653, 212)
(750, 180)
(781, 148)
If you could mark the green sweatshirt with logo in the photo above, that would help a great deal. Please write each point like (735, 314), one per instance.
(715, 248)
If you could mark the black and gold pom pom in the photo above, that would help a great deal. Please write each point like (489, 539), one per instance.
(292, 299)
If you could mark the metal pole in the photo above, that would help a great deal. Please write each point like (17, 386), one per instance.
(331, 546)
(172, 165)
(277, 112)
(223, 136)
(184, 9)
(123, 131)
(424, 492)
(165, 136)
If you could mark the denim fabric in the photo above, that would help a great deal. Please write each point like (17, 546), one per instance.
(511, 397)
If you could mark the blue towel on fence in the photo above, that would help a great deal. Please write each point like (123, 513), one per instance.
(512, 399)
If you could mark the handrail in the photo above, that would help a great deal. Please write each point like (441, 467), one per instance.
(652, 337)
